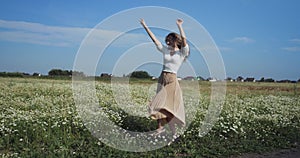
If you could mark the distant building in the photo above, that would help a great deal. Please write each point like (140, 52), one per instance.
(249, 79)
(240, 79)
(211, 79)
(190, 78)
(230, 79)
(199, 78)
(37, 74)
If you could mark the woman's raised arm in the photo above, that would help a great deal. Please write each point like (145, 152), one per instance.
(152, 36)
(182, 34)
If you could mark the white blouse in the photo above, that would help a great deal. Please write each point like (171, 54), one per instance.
(173, 62)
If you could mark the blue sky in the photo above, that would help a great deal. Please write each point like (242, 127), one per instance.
(256, 38)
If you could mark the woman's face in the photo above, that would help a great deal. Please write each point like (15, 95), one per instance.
(170, 41)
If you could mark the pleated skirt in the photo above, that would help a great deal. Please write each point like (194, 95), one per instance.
(168, 99)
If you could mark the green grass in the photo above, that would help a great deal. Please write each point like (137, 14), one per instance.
(39, 119)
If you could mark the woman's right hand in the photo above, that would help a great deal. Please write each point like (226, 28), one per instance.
(152, 36)
(142, 21)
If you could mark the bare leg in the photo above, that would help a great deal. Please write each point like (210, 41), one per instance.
(169, 120)
(160, 129)
(171, 124)
(160, 124)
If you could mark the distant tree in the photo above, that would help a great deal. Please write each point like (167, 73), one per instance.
(36, 74)
(12, 74)
(77, 73)
(269, 80)
(3, 74)
(249, 79)
(16, 74)
(54, 72)
(262, 79)
(139, 74)
(228, 78)
(284, 81)
(199, 78)
(25, 74)
(105, 75)
(239, 79)
(59, 72)
(298, 80)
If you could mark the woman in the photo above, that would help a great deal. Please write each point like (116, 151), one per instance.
(167, 105)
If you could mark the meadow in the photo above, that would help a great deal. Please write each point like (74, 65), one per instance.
(39, 118)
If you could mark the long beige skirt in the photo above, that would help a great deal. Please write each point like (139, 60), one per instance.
(168, 99)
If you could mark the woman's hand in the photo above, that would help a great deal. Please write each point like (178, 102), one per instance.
(152, 36)
(179, 22)
(142, 21)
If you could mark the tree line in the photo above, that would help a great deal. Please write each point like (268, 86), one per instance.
(69, 73)
(252, 79)
(51, 73)
(134, 74)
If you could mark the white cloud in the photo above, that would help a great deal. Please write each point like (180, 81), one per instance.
(242, 40)
(291, 49)
(295, 40)
(36, 33)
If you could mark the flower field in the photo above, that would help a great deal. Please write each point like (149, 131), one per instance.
(39, 118)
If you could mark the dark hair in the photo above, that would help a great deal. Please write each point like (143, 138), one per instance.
(176, 37)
